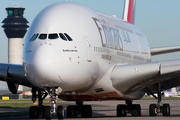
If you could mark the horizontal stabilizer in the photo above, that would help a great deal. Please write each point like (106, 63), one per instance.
(164, 50)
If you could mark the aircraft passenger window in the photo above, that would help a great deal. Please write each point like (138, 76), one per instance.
(42, 36)
(62, 36)
(32, 38)
(53, 36)
(35, 37)
(68, 37)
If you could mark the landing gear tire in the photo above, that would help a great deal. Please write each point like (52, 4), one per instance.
(60, 112)
(136, 110)
(166, 110)
(155, 109)
(152, 110)
(86, 111)
(47, 112)
(33, 112)
(133, 109)
(120, 111)
(71, 111)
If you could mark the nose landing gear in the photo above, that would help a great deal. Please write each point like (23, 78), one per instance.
(53, 100)
(46, 111)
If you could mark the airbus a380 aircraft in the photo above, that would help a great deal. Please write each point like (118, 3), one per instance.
(81, 55)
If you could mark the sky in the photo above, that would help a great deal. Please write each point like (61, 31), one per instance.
(158, 19)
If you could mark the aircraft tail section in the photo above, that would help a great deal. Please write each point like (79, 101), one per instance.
(129, 10)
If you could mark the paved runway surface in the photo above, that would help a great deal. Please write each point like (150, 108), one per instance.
(106, 110)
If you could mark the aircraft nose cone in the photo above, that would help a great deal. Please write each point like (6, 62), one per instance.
(44, 65)
(44, 55)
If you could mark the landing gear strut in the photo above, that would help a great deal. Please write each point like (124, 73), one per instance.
(134, 109)
(35, 111)
(84, 110)
(154, 109)
(46, 111)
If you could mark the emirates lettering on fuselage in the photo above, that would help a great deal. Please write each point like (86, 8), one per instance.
(111, 38)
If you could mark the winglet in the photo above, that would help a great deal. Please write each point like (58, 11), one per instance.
(129, 11)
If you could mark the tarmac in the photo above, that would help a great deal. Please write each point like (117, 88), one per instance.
(106, 110)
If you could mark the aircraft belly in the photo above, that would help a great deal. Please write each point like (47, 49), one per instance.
(134, 96)
(88, 96)
(91, 97)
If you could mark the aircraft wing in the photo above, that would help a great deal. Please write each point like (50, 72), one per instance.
(145, 76)
(14, 75)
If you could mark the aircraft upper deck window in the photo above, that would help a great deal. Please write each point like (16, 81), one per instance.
(53, 36)
(62, 36)
(42, 36)
(68, 37)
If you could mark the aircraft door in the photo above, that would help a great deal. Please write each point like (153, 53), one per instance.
(88, 48)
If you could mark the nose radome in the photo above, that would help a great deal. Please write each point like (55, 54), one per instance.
(44, 64)
(44, 55)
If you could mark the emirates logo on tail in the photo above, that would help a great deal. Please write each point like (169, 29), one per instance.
(129, 7)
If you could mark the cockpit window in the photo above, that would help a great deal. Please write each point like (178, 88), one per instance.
(42, 36)
(53, 36)
(62, 36)
(34, 37)
(68, 37)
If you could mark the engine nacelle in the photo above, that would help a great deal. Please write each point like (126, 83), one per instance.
(12, 86)
(125, 78)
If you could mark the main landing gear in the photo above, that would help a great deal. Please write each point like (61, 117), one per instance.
(133, 109)
(84, 110)
(45, 111)
(154, 109)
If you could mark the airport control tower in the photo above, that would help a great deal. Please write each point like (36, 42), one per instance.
(15, 27)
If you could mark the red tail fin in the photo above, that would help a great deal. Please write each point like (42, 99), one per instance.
(129, 11)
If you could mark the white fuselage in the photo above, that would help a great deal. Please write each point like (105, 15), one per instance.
(81, 66)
